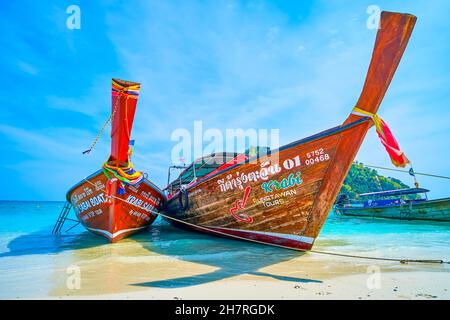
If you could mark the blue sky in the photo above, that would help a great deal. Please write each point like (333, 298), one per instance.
(294, 65)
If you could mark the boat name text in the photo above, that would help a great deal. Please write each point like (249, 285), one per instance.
(289, 182)
(275, 199)
(89, 203)
(140, 203)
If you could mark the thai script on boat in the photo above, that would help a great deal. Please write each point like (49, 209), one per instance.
(77, 197)
(264, 173)
(99, 185)
(88, 191)
(135, 188)
(289, 182)
(266, 170)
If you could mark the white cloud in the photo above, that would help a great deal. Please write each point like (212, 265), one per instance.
(27, 68)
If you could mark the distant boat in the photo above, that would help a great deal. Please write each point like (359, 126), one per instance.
(283, 197)
(117, 201)
(393, 205)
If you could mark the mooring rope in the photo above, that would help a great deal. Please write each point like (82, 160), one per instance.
(104, 126)
(406, 171)
(403, 261)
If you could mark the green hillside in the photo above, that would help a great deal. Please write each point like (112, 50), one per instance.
(361, 179)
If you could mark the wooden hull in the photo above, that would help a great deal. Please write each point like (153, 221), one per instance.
(124, 215)
(433, 210)
(288, 194)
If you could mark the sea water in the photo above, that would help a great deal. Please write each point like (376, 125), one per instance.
(36, 264)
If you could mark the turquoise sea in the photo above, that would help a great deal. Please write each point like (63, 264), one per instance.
(33, 263)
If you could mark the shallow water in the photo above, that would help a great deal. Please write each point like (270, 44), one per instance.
(33, 263)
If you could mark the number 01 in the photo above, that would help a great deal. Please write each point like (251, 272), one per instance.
(289, 163)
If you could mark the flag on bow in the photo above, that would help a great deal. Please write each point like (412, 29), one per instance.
(398, 157)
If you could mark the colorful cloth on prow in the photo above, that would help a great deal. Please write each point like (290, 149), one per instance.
(126, 174)
(127, 87)
(398, 157)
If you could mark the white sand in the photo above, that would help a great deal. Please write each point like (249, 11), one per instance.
(130, 272)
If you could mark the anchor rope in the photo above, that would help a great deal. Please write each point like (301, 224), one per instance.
(403, 261)
(88, 151)
(406, 171)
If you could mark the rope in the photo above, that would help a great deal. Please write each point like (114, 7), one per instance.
(406, 171)
(403, 261)
(104, 126)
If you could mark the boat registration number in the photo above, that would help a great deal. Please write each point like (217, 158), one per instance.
(316, 156)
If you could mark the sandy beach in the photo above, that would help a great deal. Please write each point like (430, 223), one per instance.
(132, 272)
(314, 281)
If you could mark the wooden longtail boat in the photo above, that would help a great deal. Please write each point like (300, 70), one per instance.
(117, 201)
(390, 204)
(286, 201)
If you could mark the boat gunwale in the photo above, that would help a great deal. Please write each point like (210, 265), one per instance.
(394, 193)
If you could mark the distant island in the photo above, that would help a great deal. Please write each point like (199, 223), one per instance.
(361, 179)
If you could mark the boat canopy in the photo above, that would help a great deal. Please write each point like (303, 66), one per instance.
(203, 166)
(399, 192)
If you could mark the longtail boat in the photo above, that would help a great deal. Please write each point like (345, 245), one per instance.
(395, 204)
(283, 197)
(117, 201)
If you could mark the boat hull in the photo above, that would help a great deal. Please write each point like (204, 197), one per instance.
(280, 199)
(431, 210)
(119, 215)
